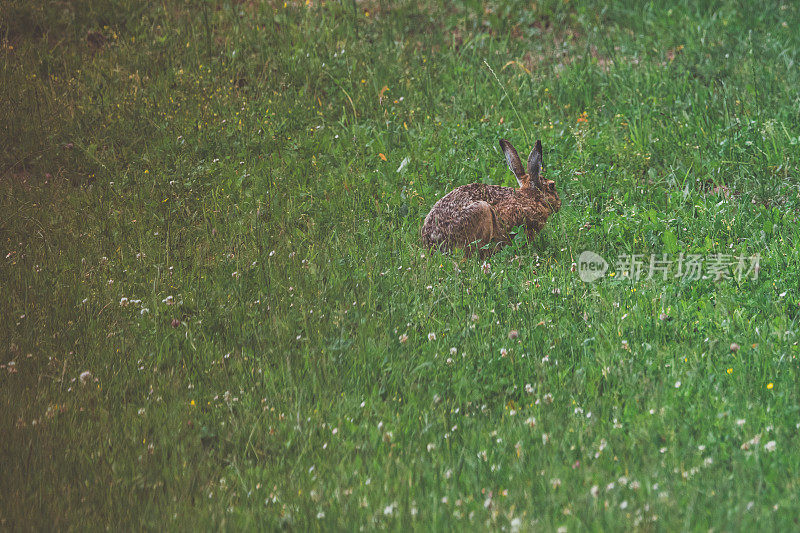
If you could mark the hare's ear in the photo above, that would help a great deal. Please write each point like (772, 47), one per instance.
(513, 160)
(535, 163)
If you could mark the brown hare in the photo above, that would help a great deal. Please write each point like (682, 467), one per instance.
(476, 215)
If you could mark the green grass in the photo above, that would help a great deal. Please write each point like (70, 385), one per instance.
(231, 156)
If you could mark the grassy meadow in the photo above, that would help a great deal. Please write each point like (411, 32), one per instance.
(217, 314)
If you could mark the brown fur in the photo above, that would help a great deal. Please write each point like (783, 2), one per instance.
(475, 215)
